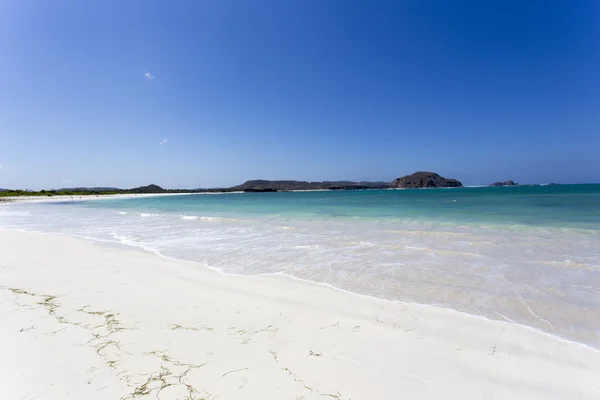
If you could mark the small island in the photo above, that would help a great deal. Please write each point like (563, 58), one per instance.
(505, 183)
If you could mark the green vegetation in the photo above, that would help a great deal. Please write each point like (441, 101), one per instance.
(14, 193)
(258, 186)
(50, 193)
(102, 191)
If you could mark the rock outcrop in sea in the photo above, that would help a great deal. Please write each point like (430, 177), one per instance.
(505, 183)
(424, 179)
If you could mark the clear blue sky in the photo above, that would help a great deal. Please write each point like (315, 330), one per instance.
(309, 90)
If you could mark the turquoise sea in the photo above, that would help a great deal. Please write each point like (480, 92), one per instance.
(528, 255)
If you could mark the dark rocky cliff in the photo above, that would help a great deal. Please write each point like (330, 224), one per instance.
(424, 179)
(264, 185)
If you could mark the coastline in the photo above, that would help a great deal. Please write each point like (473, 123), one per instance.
(187, 236)
(125, 320)
(50, 199)
(285, 276)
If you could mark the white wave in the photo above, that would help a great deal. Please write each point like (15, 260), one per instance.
(123, 212)
(198, 217)
(148, 215)
(285, 228)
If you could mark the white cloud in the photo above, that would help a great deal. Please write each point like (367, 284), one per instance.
(148, 75)
(163, 142)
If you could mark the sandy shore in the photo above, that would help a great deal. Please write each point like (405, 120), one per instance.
(46, 199)
(85, 320)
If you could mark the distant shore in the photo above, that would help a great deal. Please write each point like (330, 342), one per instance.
(100, 196)
(49, 199)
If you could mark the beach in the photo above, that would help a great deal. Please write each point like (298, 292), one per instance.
(87, 197)
(524, 255)
(93, 320)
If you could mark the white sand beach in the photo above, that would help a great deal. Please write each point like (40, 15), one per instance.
(57, 198)
(88, 320)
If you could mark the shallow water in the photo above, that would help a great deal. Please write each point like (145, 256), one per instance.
(525, 254)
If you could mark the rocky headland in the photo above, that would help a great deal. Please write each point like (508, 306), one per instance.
(424, 179)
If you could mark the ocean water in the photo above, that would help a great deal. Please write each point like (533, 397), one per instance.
(529, 255)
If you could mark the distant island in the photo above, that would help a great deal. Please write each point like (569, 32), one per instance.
(415, 181)
(505, 183)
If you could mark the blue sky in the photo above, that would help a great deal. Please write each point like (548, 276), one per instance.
(212, 93)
